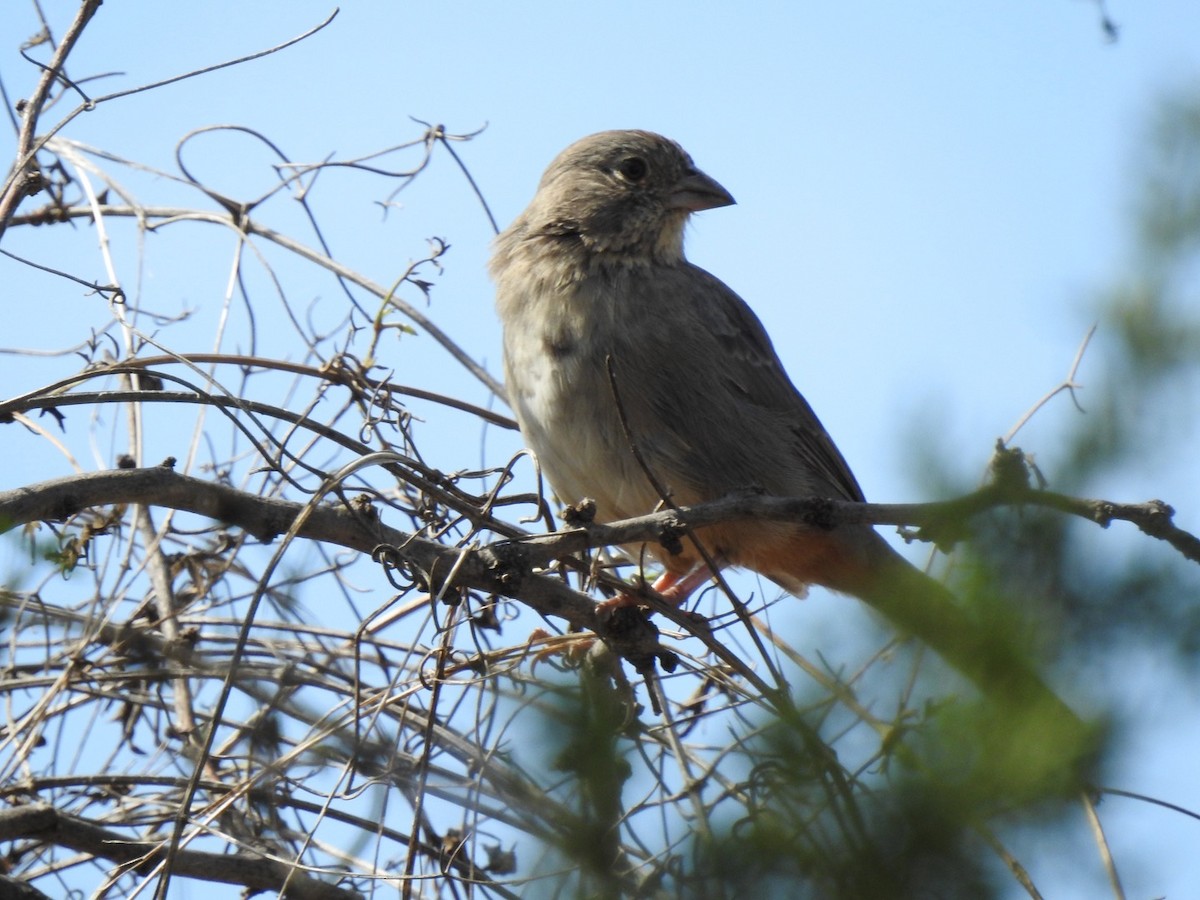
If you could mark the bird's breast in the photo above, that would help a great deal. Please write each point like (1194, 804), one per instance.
(557, 342)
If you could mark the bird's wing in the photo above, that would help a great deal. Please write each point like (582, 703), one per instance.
(751, 426)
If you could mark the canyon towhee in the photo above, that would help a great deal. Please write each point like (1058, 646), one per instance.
(591, 280)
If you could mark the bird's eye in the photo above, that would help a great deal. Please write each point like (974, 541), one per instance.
(633, 169)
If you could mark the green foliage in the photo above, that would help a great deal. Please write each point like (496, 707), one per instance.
(582, 738)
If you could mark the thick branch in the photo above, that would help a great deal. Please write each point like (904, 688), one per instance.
(505, 567)
(42, 822)
(266, 518)
(940, 522)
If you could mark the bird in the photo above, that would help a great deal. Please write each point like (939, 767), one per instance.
(633, 373)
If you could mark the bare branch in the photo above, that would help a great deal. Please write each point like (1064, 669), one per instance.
(254, 871)
(24, 179)
(496, 568)
(1068, 384)
(159, 216)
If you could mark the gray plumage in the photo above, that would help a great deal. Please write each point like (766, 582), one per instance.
(593, 270)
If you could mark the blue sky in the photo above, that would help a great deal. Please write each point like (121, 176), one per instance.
(930, 196)
(924, 190)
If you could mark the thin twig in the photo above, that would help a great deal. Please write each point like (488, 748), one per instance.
(92, 285)
(444, 140)
(1110, 866)
(1068, 384)
(17, 187)
(1165, 804)
(24, 180)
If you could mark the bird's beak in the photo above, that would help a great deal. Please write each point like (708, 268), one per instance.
(696, 191)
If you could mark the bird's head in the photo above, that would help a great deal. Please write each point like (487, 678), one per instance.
(623, 194)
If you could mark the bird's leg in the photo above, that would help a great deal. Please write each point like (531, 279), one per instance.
(673, 587)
